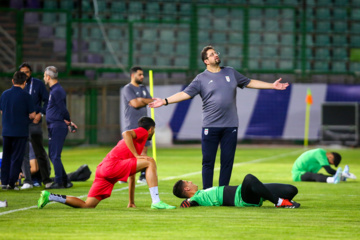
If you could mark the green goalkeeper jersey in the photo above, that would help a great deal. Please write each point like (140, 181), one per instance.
(309, 161)
(214, 197)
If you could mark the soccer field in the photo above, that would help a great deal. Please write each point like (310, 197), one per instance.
(328, 211)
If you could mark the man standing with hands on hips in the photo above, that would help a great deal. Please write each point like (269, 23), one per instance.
(217, 87)
(59, 123)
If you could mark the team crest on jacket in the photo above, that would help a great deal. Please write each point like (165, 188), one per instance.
(144, 93)
(227, 78)
(206, 131)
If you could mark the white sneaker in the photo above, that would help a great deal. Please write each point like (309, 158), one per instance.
(345, 173)
(3, 204)
(26, 186)
(141, 180)
(337, 175)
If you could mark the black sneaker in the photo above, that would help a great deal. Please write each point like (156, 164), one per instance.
(55, 185)
(68, 185)
(142, 179)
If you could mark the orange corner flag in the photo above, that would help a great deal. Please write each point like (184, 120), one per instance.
(309, 99)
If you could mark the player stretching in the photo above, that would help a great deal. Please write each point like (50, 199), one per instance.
(251, 193)
(122, 161)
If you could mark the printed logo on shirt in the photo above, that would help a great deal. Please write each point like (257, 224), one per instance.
(137, 93)
(210, 81)
(227, 78)
(206, 131)
(144, 93)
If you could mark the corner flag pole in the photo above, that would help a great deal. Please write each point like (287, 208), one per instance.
(151, 85)
(309, 102)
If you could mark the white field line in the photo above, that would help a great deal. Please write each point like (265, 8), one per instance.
(176, 177)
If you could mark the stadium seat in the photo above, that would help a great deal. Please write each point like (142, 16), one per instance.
(86, 5)
(114, 34)
(269, 52)
(287, 26)
(116, 46)
(323, 13)
(271, 13)
(233, 62)
(66, 4)
(290, 3)
(204, 23)
(258, 2)
(146, 61)
(286, 52)
(62, 18)
(322, 40)
(272, 25)
(340, 26)
(149, 34)
(341, 3)
(287, 39)
(95, 32)
(118, 6)
(31, 18)
(167, 35)
(323, 3)
(109, 59)
(220, 24)
(309, 26)
(255, 25)
(355, 41)
(339, 66)
(95, 46)
(152, 8)
(60, 32)
(236, 25)
(236, 13)
(286, 65)
(185, 9)
(339, 14)
(45, 31)
(236, 37)
(355, 67)
(163, 61)
(355, 14)
(48, 18)
(339, 40)
(268, 64)
(255, 13)
(323, 27)
(322, 66)
(255, 39)
(271, 38)
(287, 13)
(182, 49)
(101, 5)
(218, 37)
(253, 64)
(147, 47)
(135, 7)
(50, 4)
(254, 52)
(322, 53)
(221, 13)
(234, 51)
(273, 2)
(355, 27)
(118, 16)
(340, 53)
(181, 62)
(183, 36)
(166, 48)
(203, 36)
(202, 12)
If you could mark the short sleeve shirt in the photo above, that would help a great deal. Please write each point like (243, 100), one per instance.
(132, 115)
(218, 93)
(310, 161)
(121, 151)
(209, 197)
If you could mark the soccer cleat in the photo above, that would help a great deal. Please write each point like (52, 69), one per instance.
(44, 199)
(26, 186)
(142, 179)
(337, 175)
(161, 205)
(288, 204)
(3, 204)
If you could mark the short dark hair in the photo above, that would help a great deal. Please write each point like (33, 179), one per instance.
(146, 122)
(178, 189)
(337, 158)
(204, 52)
(135, 69)
(25, 64)
(19, 78)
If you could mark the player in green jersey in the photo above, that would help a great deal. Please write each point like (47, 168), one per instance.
(308, 164)
(251, 193)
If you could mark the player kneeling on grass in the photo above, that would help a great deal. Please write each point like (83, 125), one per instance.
(309, 163)
(122, 161)
(251, 193)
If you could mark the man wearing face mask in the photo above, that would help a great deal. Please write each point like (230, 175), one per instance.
(136, 98)
(36, 88)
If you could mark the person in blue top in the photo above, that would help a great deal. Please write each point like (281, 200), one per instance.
(217, 88)
(59, 123)
(40, 96)
(17, 108)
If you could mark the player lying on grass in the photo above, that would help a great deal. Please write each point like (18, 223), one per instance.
(309, 163)
(121, 163)
(251, 193)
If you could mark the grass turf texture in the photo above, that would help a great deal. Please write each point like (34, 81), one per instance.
(327, 211)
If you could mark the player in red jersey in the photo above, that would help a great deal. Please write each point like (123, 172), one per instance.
(121, 163)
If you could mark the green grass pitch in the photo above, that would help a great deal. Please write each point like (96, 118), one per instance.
(327, 211)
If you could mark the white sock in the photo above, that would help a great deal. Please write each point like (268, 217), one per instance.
(330, 180)
(57, 198)
(154, 192)
(280, 202)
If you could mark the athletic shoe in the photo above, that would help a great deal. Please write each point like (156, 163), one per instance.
(337, 175)
(68, 185)
(121, 182)
(37, 184)
(55, 185)
(142, 179)
(288, 204)
(47, 185)
(161, 205)
(12, 188)
(26, 186)
(44, 199)
(3, 204)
